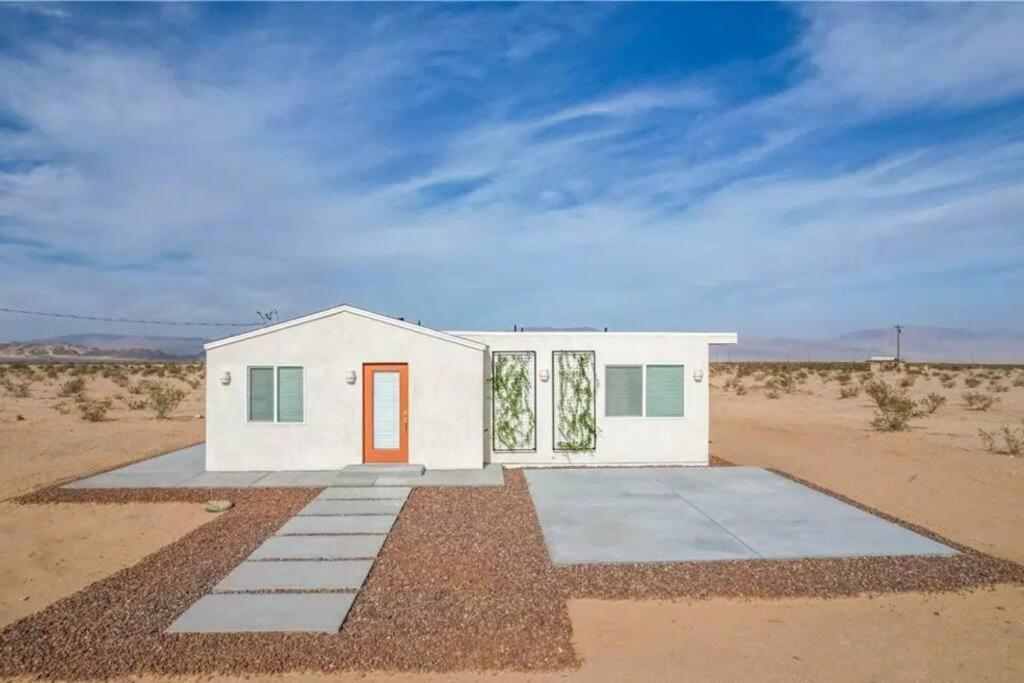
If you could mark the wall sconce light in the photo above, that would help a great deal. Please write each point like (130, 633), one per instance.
(350, 376)
(545, 375)
(698, 375)
(225, 377)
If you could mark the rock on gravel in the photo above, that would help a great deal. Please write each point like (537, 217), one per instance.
(218, 505)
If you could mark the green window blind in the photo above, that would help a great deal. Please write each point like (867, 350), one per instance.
(289, 395)
(623, 390)
(664, 391)
(261, 394)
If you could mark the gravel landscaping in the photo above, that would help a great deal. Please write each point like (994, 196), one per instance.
(463, 583)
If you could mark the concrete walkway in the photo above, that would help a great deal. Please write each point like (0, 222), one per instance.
(187, 469)
(672, 514)
(306, 576)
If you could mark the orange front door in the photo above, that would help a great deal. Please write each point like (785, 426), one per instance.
(385, 412)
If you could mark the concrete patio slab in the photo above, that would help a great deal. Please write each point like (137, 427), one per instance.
(314, 478)
(490, 475)
(365, 493)
(222, 479)
(191, 459)
(390, 469)
(242, 612)
(352, 507)
(318, 548)
(351, 524)
(296, 575)
(691, 514)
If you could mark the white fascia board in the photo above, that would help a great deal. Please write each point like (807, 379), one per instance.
(710, 337)
(313, 317)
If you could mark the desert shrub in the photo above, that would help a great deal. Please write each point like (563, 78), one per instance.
(741, 389)
(971, 382)
(52, 371)
(1012, 437)
(62, 407)
(975, 400)
(164, 399)
(194, 383)
(72, 387)
(997, 388)
(1019, 381)
(844, 377)
(932, 402)
(895, 408)
(93, 410)
(907, 381)
(948, 383)
(759, 376)
(849, 391)
(21, 390)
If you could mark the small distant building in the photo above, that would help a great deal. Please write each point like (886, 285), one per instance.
(878, 363)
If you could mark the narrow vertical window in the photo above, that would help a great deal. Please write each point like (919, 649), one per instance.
(623, 391)
(664, 391)
(289, 394)
(261, 394)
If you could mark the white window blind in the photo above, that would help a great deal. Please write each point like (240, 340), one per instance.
(261, 394)
(664, 390)
(289, 394)
(385, 410)
(623, 391)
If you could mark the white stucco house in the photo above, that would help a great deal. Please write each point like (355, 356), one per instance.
(346, 386)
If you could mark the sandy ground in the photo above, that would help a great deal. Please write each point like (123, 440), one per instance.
(936, 474)
(50, 551)
(47, 446)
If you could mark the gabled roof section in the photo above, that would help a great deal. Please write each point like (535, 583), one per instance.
(345, 308)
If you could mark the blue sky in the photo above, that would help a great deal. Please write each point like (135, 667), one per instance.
(797, 170)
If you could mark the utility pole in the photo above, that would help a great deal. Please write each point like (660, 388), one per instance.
(899, 331)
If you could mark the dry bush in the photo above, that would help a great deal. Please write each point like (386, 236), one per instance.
(1019, 381)
(971, 381)
(932, 402)
(997, 388)
(772, 394)
(849, 391)
(975, 400)
(741, 389)
(94, 410)
(72, 387)
(907, 381)
(164, 399)
(844, 377)
(895, 408)
(1013, 440)
(948, 383)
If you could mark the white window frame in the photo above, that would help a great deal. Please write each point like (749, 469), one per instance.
(274, 367)
(643, 393)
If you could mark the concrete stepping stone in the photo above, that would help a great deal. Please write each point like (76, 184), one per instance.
(353, 524)
(352, 507)
(315, 478)
(392, 469)
(318, 548)
(241, 612)
(365, 493)
(296, 575)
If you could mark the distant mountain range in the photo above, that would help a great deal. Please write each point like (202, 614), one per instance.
(923, 344)
(81, 347)
(931, 344)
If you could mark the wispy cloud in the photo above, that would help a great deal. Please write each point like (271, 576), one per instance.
(473, 168)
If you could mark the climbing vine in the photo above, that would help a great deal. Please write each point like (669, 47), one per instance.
(575, 401)
(513, 400)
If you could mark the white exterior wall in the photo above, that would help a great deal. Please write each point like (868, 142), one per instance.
(620, 440)
(446, 402)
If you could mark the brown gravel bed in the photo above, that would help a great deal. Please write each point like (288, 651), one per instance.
(463, 582)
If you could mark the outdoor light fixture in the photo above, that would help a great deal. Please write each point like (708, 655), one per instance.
(350, 376)
(544, 375)
(698, 375)
(225, 377)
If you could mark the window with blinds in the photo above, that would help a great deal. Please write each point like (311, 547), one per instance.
(623, 390)
(276, 394)
(289, 394)
(261, 394)
(664, 391)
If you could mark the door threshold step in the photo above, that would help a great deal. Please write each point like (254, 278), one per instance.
(386, 469)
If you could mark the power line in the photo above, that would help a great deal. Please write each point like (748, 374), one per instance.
(127, 320)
